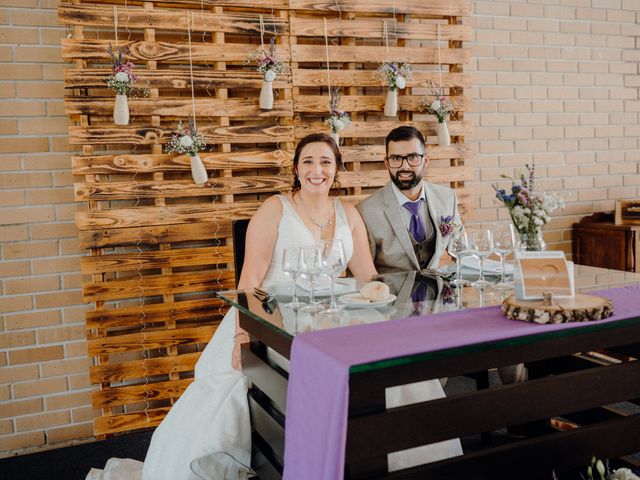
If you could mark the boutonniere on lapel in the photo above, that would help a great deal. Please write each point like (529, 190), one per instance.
(448, 294)
(446, 225)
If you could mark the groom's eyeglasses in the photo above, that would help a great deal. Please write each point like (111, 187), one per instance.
(413, 159)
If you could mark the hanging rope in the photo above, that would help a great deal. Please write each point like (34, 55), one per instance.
(115, 23)
(262, 32)
(385, 34)
(326, 47)
(193, 97)
(439, 60)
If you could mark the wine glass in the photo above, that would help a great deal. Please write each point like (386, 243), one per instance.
(332, 263)
(503, 243)
(458, 247)
(291, 268)
(310, 258)
(480, 246)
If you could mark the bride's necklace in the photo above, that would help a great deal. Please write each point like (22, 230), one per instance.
(321, 226)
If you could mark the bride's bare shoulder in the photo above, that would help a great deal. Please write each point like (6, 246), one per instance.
(271, 208)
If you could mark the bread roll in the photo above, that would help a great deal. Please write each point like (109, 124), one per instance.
(375, 291)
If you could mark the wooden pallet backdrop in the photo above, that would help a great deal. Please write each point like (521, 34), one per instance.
(160, 246)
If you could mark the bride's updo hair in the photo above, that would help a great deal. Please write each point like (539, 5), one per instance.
(313, 138)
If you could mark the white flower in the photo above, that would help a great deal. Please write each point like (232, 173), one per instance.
(338, 125)
(186, 141)
(523, 315)
(624, 474)
(436, 105)
(122, 77)
(539, 213)
(541, 316)
(538, 221)
(269, 76)
(401, 82)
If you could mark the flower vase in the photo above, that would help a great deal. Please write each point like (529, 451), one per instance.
(532, 241)
(391, 104)
(266, 95)
(198, 172)
(444, 139)
(121, 110)
(336, 137)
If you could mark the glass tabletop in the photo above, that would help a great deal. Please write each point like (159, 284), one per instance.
(416, 293)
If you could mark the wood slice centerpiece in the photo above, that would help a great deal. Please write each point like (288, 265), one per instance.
(581, 308)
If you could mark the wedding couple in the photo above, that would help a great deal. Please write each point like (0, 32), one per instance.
(207, 433)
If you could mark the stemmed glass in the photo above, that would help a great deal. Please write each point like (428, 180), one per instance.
(291, 267)
(332, 263)
(503, 243)
(481, 246)
(310, 261)
(458, 247)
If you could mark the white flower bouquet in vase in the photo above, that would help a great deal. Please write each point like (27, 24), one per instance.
(394, 76)
(437, 104)
(338, 119)
(187, 141)
(122, 81)
(529, 210)
(270, 66)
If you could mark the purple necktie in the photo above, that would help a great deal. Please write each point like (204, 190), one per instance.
(416, 225)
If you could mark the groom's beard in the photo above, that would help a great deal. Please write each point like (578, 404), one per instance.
(406, 184)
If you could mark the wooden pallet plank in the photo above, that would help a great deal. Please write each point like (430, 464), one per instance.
(381, 129)
(152, 235)
(111, 397)
(179, 107)
(199, 4)
(364, 78)
(371, 54)
(371, 103)
(229, 185)
(154, 285)
(165, 215)
(373, 28)
(175, 20)
(206, 308)
(175, 79)
(376, 153)
(176, 257)
(110, 424)
(147, 163)
(145, 51)
(150, 339)
(415, 7)
(154, 135)
(148, 367)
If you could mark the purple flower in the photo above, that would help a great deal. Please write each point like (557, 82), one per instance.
(446, 227)
(448, 295)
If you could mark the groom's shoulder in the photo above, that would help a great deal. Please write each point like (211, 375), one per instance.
(372, 202)
(440, 191)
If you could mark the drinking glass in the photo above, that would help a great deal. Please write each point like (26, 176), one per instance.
(332, 263)
(503, 243)
(291, 267)
(310, 260)
(458, 247)
(480, 246)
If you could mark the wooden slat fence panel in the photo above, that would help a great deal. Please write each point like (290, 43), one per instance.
(159, 246)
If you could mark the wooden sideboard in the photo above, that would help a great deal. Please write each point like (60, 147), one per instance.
(599, 242)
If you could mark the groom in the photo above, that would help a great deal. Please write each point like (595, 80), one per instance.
(409, 219)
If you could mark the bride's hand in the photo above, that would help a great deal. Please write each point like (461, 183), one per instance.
(236, 354)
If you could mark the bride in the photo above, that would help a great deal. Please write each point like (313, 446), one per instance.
(212, 416)
(207, 433)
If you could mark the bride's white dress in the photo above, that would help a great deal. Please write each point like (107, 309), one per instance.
(207, 433)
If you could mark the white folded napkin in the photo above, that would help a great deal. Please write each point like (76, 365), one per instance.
(323, 287)
(491, 267)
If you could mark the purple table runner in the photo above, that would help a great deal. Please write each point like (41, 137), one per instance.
(318, 391)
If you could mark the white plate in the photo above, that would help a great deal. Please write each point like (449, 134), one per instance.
(323, 288)
(349, 300)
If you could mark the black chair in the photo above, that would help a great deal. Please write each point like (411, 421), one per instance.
(239, 232)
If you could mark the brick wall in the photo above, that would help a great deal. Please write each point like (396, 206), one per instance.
(44, 387)
(556, 82)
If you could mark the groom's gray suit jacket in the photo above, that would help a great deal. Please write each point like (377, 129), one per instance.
(389, 239)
